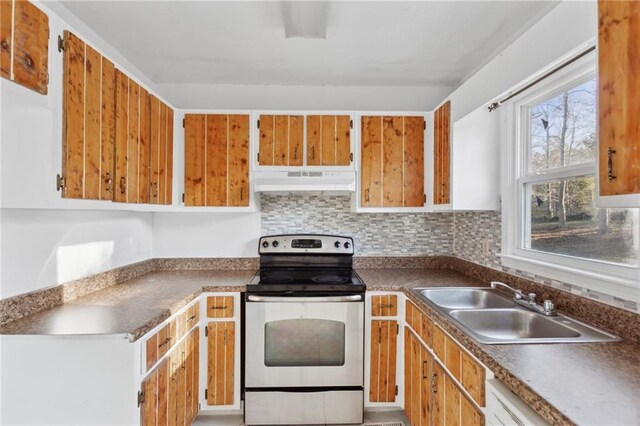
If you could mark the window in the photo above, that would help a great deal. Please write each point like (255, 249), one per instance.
(552, 226)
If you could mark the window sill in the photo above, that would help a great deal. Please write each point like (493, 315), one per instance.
(627, 287)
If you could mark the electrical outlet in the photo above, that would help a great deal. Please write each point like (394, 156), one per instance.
(485, 247)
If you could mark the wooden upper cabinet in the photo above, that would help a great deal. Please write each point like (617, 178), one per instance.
(24, 44)
(132, 141)
(392, 161)
(216, 160)
(281, 140)
(161, 152)
(329, 140)
(88, 129)
(618, 94)
(441, 154)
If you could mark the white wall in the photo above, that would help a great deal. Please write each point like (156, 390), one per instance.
(566, 27)
(41, 248)
(206, 234)
(218, 96)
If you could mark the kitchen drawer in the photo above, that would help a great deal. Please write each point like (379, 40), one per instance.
(220, 306)
(384, 305)
(193, 315)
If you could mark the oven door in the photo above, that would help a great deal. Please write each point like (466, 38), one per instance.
(304, 341)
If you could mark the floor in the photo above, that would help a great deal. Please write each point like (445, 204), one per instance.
(371, 418)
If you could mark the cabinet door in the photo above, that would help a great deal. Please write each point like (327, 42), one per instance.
(392, 161)
(281, 140)
(216, 160)
(220, 363)
(163, 393)
(382, 385)
(618, 94)
(426, 361)
(441, 154)
(24, 33)
(161, 152)
(149, 408)
(408, 391)
(131, 141)
(88, 128)
(328, 140)
(220, 306)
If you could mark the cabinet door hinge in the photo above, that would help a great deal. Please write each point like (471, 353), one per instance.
(396, 390)
(424, 125)
(424, 198)
(60, 43)
(397, 330)
(351, 124)
(184, 122)
(60, 182)
(258, 157)
(206, 332)
(258, 124)
(140, 398)
(183, 197)
(351, 157)
(206, 394)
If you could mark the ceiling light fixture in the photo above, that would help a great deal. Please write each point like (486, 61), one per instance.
(305, 19)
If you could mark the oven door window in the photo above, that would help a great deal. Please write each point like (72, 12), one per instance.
(304, 343)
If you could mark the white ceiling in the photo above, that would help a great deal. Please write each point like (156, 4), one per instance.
(367, 43)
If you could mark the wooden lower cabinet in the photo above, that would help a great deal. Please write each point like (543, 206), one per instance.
(169, 394)
(432, 396)
(382, 385)
(220, 362)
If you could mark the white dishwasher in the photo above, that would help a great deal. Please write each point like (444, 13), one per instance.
(504, 408)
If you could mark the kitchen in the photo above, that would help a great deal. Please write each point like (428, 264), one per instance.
(377, 213)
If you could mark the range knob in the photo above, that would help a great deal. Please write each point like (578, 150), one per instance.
(347, 245)
(265, 244)
(274, 243)
(337, 244)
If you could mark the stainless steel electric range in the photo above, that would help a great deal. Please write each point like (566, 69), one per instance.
(304, 338)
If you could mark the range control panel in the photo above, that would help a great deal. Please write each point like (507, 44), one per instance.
(311, 244)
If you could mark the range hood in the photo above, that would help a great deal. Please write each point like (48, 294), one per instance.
(304, 181)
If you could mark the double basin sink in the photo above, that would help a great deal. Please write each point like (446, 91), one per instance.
(491, 318)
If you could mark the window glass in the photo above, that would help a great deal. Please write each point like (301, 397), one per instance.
(564, 220)
(563, 129)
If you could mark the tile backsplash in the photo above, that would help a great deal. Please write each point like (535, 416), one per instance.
(474, 236)
(375, 234)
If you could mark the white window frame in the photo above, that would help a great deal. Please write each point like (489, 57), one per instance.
(612, 279)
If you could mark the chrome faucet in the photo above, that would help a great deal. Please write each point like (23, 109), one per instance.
(528, 300)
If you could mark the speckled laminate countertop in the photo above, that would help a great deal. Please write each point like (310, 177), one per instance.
(585, 384)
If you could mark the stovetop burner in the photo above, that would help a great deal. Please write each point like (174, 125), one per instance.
(305, 264)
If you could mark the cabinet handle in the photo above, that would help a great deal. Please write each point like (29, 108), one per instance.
(155, 190)
(123, 185)
(191, 318)
(389, 306)
(218, 307)
(366, 195)
(295, 153)
(610, 153)
(241, 194)
(167, 340)
(434, 387)
(313, 152)
(424, 370)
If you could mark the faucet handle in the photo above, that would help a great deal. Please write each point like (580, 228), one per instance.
(548, 306)
(532, 297)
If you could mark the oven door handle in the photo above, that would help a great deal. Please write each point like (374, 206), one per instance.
(291, 299)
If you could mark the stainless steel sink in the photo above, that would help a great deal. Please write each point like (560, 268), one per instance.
(466, 298)
(492, 318)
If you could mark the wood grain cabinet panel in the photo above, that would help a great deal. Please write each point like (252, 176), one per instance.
(469, 414)
(382, 385)
(328, 140)
(441, 154)
(408, 391)
(453, 358)
(281, 140)
(24, 44)
(220, 363)
(216, 160)
(384, 305)
(439, 399)
(88, 129)
(618, 94)
(151, 351)
(220, 306)
(439, 343)
(160, 152)
(473, 378)
(392, 161)
(149, 407)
